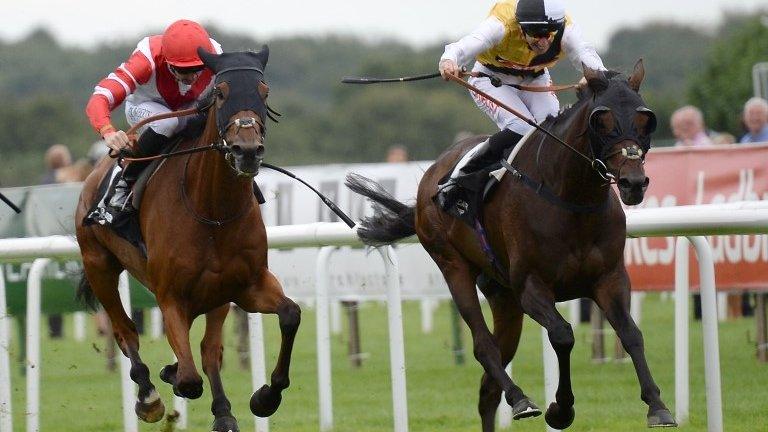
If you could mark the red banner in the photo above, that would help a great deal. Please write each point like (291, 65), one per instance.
(711, 175)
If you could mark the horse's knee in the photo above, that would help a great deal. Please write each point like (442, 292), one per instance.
(485, 348)
(632, 339)
(561, 337)
(289, 314)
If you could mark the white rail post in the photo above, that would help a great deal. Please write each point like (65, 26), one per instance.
(505, 411)
(34, 287)
(130, 421)
(180, 405)
(258, 362)
(78, 323)
(682, 292)
(6, 415)
(427, 306)
(551, 372)
(322, 306)
(709, 331)
(156, 323)
(396, 338)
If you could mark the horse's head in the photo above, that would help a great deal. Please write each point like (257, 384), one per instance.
(620, 128)
(240, 106)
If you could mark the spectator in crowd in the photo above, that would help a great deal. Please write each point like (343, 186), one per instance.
(397, 153)
(688, 127)
(756, 121)
(722, 138)
(56, 157)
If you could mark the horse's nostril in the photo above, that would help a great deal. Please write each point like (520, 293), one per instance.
(260, 151)
(236, 149)
(646, 182)
(624, 183)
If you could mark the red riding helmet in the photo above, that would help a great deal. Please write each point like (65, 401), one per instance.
(180, 42)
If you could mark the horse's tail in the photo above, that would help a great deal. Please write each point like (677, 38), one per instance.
(85, 295)
(391, 220)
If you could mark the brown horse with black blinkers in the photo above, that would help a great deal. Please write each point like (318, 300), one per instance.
(555, 231)
(206, 247)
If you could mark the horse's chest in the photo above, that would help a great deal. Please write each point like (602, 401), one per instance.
(582, 263)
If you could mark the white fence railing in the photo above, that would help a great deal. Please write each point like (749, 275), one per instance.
(692, 221)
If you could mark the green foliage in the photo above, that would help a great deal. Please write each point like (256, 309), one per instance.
(725, 82)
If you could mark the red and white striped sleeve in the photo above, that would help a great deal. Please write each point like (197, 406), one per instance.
(115, 87)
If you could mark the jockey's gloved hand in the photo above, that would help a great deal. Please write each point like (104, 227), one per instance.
(449, 67)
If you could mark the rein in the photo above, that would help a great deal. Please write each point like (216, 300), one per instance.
(596, 164)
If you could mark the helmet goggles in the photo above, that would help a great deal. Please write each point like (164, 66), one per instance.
(541, 29)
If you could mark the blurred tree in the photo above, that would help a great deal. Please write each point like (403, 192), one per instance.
(725, 82)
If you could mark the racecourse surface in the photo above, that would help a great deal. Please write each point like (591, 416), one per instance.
(78, 393)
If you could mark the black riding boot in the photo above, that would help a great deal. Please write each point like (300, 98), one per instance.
(485, 154)
(150, 143)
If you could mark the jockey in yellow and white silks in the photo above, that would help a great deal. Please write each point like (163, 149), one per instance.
(517, 43)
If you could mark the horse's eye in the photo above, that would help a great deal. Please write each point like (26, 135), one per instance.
(645, 121)
(602, 120)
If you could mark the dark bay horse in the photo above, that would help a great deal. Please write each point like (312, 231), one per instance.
(547, 250)
(206, 247)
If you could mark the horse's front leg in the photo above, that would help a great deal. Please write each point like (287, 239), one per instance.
(612, 294)
(183, 375)
(212, 350)
(266, 296)
(538, 302)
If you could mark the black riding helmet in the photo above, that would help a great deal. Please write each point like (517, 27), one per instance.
(540, 17)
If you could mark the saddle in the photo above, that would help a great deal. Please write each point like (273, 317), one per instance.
(126, 224)
(476, 188)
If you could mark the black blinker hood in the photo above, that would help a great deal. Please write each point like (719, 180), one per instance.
(243, 71)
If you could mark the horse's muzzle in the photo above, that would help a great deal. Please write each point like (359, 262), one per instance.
(632, 188)
(246, 160)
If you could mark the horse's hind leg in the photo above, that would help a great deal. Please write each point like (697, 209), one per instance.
(102, 272)
(613, 296)
(211, 350)
(460, 278)
(266, 296)
(507, 326)
(538, 301)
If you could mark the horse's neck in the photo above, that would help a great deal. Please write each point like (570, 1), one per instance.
(569, 175)
(213, 187)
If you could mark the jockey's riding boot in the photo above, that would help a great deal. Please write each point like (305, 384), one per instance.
(150, 143)
(481, 156)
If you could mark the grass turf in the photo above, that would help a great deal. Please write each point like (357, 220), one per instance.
(78, 393)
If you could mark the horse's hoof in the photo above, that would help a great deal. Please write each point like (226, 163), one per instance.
(524, 408)
(265, 401)
(168, 373)
(225, 424)
(661, 418)
(558, 417)
(151, 411)
(189, 390)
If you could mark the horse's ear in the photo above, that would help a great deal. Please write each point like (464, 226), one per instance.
(263, 55)
(637, 76)
(596, 79)
(209, 59)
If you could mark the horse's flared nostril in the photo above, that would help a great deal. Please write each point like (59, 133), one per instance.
(260, 151)
(624, 183)
(236, 149)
